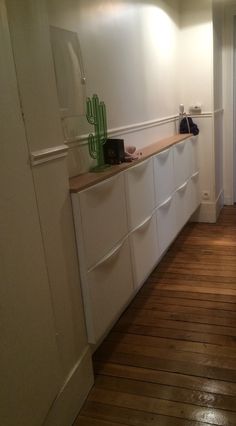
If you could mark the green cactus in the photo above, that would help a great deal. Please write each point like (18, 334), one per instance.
(96, 115)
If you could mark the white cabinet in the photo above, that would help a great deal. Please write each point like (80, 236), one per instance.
(139, 192)
(103, 216)
(193, 154)
(183, 204)
(144, 249)
(195, 195)
(181, 162)
(110, 286)
(104, 253)
(166, 223)
(163, 175)
(125, 223)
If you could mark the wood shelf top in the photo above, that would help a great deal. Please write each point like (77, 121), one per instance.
(83, 181)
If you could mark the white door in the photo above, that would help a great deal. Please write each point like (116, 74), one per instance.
(31, 373)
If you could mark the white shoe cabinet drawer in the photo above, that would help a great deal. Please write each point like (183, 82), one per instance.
(181, 163)
(103, 217)
(183, 204)
(144, 249)
(166, 223)
(195, 195)
(110, 286)
(140, 196)
(193, 154)
(125, 223)
(163, 164)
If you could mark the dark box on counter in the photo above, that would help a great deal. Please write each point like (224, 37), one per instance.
(114, 151)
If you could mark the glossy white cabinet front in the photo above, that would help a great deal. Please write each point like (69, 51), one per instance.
(139, 192)
(182, 164)
(183, 204)
(144, 249)
(164, 175)
(166, 223)
(110, 285)
(193, 154)
(103, 217)
(124, 224)
(195, 195)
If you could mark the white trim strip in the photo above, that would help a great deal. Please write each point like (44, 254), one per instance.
(120, 131)
(218, 111)
(49, 154)
(202, 115)
(82, 139)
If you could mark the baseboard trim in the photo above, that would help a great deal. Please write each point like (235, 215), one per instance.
(208, 212)
(73, 393)
(228, 201)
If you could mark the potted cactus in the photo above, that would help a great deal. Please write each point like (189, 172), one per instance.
(96, 115)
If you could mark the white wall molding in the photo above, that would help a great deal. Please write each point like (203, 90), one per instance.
(202, 115)
(219, 111)
(132, 128)
(49, 154)
(73, 393)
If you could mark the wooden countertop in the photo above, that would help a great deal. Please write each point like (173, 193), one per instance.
(80, 182)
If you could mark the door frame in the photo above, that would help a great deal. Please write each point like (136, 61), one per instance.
(229, 130)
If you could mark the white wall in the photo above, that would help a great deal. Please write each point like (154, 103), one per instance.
(144, 59)
(200, 83)
(195, 54)
(130, 55)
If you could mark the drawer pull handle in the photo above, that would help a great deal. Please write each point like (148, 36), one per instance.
(195, 175)
(166, 203)
(143, 224)
(182, 187)
(113, 253)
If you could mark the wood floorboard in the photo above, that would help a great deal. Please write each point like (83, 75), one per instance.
(170, 360)
(207, 304)
(169, 333)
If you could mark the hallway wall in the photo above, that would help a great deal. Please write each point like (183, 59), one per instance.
(144, 59)
(130, 55)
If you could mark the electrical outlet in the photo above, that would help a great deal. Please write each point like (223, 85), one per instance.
(205, 195)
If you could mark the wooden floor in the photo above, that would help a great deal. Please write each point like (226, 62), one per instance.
(171, 358)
